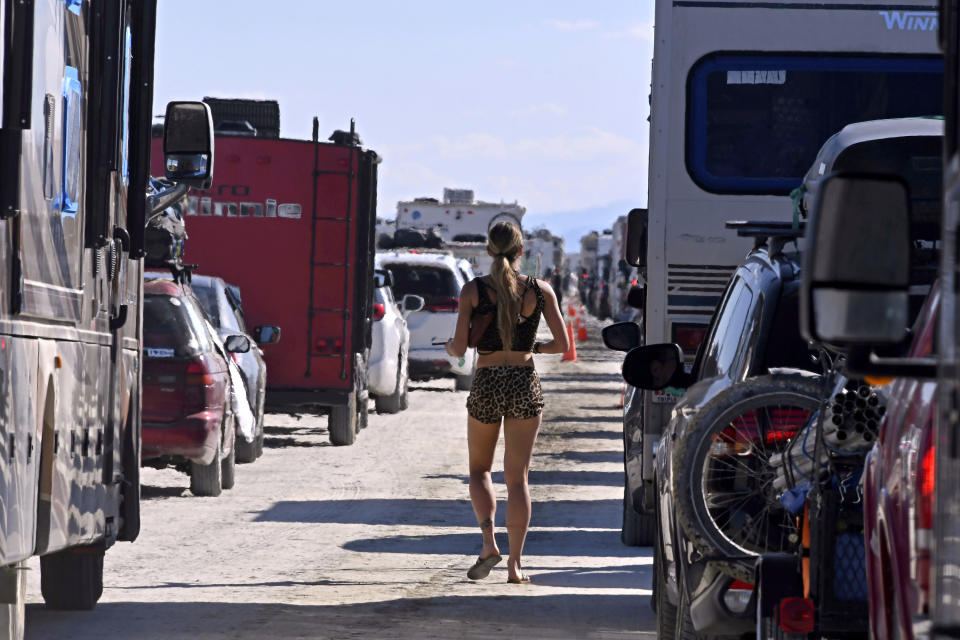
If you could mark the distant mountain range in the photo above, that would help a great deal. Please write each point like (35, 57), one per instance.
(571, 225)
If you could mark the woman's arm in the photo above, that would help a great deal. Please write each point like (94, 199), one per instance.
(457, 345)
(551, 312)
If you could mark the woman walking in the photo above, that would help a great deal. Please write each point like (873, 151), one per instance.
(505, 388)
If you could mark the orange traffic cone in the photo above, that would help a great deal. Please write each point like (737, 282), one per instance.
(582, 333)
(570, 355)
(573, 312)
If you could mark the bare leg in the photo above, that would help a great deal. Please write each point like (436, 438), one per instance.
(519, 437)
(482, 443)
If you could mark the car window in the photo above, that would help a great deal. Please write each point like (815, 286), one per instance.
(214, 303)
(169, 330)
(199, 322)
(728, 342)
(433, 283)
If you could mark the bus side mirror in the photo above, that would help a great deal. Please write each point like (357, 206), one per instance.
(856, 269)
(636, 247)
(188, 144)
(622, 336)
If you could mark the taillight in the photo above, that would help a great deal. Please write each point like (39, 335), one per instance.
(197, 373)
(923, 542)
(329, 346)
(926, 483)
(796, 615)
(379, 310)
(689, 336)
(743, 431)
(443, 304)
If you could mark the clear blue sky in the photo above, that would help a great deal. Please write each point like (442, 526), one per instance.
(542, 102)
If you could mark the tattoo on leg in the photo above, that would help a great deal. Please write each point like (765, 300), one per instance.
(486, 524)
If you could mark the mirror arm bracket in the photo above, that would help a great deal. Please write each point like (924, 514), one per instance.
(862, 361)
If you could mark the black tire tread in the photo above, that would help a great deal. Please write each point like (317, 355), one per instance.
(206, 479)
(228, 467)
(72, 581)
(343, 422)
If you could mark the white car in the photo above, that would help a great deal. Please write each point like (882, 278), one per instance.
(437, 277)
(387, 372)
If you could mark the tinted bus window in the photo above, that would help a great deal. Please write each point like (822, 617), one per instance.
(756, 122)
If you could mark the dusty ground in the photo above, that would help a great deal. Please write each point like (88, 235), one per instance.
(374, 540)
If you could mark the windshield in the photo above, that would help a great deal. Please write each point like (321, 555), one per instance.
(216, 306)
(433, 283)
(756, 122)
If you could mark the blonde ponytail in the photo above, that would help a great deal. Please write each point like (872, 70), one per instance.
(505, 242)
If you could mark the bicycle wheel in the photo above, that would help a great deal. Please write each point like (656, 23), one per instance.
(723, 482)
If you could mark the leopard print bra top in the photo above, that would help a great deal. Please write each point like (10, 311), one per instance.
(525, 332)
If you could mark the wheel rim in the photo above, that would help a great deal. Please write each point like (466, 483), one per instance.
(736, 485)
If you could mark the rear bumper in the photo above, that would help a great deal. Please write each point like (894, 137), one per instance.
(194, 437)
(306, 399)
(426, 369)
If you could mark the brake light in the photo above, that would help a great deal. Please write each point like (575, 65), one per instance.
(797, 615)
(197, 373)
(923, 542)
(781, 425)
(689, 336)
(443, 304)
(379, 310)
(926, 483)
(329, 346)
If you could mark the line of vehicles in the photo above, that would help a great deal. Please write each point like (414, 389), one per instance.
(791, 419)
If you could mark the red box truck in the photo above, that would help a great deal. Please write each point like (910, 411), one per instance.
(291, 223)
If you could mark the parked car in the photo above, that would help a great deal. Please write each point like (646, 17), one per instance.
(221, 302)
(187, 415)
(753, 332)
(437, 277)
(388, 373)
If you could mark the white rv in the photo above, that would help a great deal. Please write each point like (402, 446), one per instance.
(744, 93)
(458, 217)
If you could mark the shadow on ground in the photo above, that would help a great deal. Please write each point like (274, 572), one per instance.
(445, 513)
(516, 615)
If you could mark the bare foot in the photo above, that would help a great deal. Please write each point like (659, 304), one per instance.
(514, 570)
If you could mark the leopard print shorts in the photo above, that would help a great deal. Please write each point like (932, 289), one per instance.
(498, 392)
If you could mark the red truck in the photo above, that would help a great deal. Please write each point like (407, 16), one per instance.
(291, 223)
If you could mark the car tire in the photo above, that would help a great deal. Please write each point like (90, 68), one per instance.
(206, 479)
(463, 383)
(13, 615)
(246, 452)
(394, 402)
(694, 445)
(228, 466)
(343, 422)
(639, 529)
(666, 611)
(72, 580)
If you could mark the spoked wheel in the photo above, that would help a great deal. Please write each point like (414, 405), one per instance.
(723, 482)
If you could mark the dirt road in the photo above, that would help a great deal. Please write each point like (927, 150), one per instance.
(374, 540)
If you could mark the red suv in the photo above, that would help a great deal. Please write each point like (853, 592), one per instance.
(898, 495)
(187, 415)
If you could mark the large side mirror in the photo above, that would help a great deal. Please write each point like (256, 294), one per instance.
(411, 303)
(236, 344)
(856, 270)
(266, 334)
(636, 248)
(654, 367)
(622, 336)
(188, 144)
(637, 297)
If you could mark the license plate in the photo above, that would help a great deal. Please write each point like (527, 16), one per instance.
(662, 396)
